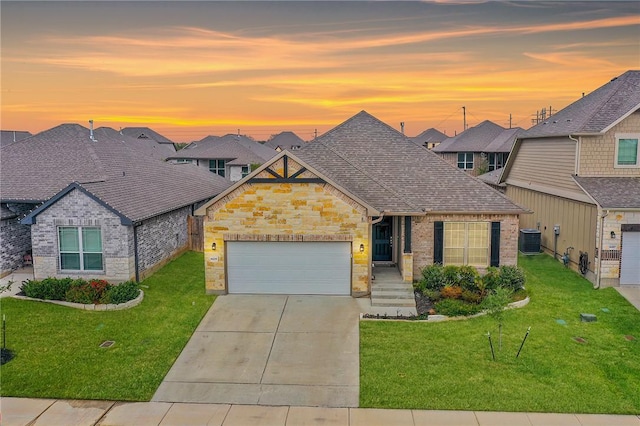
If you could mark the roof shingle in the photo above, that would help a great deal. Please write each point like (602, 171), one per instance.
(612, 192)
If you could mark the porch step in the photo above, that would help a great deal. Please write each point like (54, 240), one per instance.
(392, 294)
(393, 303)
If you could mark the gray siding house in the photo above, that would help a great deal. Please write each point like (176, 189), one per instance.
(105, 207)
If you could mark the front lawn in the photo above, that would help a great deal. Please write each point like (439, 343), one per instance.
(449, 366)
(57, 353)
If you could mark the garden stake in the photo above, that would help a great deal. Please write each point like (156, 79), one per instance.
(523, 340)
(493, 355)
(4, 331)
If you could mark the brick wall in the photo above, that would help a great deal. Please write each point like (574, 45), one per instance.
(280, 209)
(422, 237)
(597, 153)
(161, 239)
(77, 209)
(15, 239)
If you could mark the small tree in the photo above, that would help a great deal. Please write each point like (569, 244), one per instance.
(494, 304)
(483, 166)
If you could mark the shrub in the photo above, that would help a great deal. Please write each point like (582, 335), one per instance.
(432, 278)
(454, 308)
(451, 275)
(469, 278)
(471, 297)
(491, 280)
(512, 278)
(121, 293)
(433, 295)
(47, 289)
(80, 293)
(451, 292)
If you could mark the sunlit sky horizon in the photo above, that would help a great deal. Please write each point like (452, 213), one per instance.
(191, 69)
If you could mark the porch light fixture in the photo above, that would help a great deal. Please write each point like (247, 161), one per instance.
(613, 235)
(361, 248)
(213, 246)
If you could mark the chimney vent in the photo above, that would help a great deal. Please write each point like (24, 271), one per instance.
(91, 131)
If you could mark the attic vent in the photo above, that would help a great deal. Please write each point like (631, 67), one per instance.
(143, 136)
(568, 120)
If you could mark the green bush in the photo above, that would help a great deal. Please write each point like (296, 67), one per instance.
(512, 278)
(432, 278)
(451, 275)
(491, 280)
(47, 289)
(471, 296)
(455, 308)
(469, 278)
(80, 292)
(433, 295)
(122, 292)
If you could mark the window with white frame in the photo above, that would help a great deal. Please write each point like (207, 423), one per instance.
(217, 167)
(245, 171)
(466, 243)
(184, 160)
(465, 160)
(627, 150)
(80, 248)
(497, 160)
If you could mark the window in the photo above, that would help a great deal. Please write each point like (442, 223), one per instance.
(80, 248)
(245, 171)
(497, 160)
(217, 166)
(466, 243)
(465, 160)
(627, 150)
(184, 161)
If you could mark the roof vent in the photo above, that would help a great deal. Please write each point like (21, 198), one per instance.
(555, 121)
(568, 120)
(91, 131)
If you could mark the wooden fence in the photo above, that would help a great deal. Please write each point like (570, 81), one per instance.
(195, 229)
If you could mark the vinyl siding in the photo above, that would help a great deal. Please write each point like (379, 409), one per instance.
(577, 221)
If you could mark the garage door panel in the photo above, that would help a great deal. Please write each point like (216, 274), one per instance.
(630, 261)
(289, 267)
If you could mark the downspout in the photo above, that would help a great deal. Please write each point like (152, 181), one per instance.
(135, 251)
(576, 165)
(599, 276)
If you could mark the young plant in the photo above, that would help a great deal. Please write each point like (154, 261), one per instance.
(494, 304)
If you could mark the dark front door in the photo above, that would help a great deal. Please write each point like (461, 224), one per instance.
(382, 240)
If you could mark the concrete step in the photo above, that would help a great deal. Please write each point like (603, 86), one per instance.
(391, 286)
(393, 303)
(393, 294)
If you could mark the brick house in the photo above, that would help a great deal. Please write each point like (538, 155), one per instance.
(230, 156)
(580, 171)
(100, 205)
(314, 221)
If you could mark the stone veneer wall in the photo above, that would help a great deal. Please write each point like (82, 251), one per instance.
(612, 247)
(77, 209)
(287, 210)
(15, 239)
(160, 239)
(422, 237)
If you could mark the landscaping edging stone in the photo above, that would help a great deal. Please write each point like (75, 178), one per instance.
(91, 307)
(440, 318)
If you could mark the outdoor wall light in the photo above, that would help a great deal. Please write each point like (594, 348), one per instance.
(361, 248)
(613, 235)
(213, 246)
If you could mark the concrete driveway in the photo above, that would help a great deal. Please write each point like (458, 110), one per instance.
(270, 350)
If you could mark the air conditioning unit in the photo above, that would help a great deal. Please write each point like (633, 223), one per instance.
(529, 241)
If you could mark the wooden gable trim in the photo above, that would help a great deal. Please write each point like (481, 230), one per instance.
(287, 178)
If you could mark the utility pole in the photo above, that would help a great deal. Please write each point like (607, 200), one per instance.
(509, 120)
(315, 134)
(464, 118)
(402, 127)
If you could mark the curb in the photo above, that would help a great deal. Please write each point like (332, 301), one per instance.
(90, 307)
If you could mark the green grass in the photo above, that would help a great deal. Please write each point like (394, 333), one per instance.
(448, 365)
(56, 348)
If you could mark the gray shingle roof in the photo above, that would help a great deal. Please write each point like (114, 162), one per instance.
(429, 136)
(492, 177)
(387, 170)
(612, 192)
(127, 179)
(10, 136)
(5, 213)
(474, 139)
(237, 149)
(285, 140)
(595, 112)
(146, 146)
(146, 133)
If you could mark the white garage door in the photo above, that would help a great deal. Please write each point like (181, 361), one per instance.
(289, 267)
(630, 262)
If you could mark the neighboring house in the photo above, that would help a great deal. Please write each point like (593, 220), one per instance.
(99, 207)
(285, 140)
(313, 221)
(580, 171)
(15, 237)
(486, 145)
(230, 156)
(162, 146)
(430, 138)
(10, 136)
(492, 179)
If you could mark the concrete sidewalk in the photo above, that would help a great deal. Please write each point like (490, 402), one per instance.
(23, 411)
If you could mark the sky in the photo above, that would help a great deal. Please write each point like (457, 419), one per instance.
(192, 69)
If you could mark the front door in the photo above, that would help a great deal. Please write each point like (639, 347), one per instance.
(382, 240)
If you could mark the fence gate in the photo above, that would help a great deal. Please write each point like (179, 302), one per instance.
(195, 229)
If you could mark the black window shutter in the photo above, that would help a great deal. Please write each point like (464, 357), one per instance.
(495, 243)
(438, 241)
